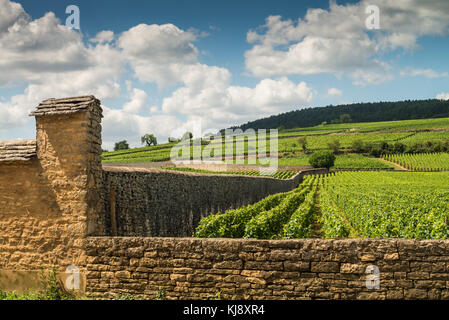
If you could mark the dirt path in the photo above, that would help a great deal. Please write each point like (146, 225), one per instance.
(394, 164)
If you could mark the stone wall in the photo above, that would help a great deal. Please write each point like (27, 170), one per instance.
(47, 201)
(263, 269)
(151, 202)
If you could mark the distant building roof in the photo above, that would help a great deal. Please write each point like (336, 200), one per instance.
(17, 150)
(64, 106)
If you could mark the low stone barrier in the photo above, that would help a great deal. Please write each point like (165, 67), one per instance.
(186, 268)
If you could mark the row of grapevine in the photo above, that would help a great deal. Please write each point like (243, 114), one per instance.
(385, 205)
(263, 220)
(300, 223)
(422, 161)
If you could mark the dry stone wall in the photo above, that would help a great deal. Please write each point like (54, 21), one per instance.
(264, 269)
(47, 200)
(160, 203)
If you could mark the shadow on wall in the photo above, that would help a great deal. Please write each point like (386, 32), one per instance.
(160, 203)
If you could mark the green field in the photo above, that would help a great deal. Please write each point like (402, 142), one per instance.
(349, 161)
(408, 132)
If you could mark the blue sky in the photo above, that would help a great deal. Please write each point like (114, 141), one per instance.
(160, 66)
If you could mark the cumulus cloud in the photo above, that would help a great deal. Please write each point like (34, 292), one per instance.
(12, 13)
(52, 61)
(139, 99)
(222, 104)
(158, 53)
(443, 96)
(337, 40)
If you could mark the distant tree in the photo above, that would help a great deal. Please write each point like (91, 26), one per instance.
(149, 139)
(303, 143)
(187, 136)
(322, 159)
(104, 150)
(121, 145)
(345, 118)
(334, 146)
(281, 128)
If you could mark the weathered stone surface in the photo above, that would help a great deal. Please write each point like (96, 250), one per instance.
(257, 273)
(49, 195)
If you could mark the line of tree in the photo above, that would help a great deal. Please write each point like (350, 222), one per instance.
(358, 112)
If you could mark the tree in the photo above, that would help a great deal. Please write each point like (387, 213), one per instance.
(187, 136)
(171, 140)
(149, 139)
(334, 145)
(345, 118)
(303, 143)
(322, 159)
(121, 145)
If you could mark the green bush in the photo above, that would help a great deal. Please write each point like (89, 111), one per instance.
(322, 159)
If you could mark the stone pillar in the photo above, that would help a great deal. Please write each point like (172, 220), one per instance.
(69, 155)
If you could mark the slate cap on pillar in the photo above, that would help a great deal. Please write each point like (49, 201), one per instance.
(17, 150)
(65, 105)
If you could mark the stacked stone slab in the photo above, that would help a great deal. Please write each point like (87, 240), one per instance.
(17, 150)
(66, 106)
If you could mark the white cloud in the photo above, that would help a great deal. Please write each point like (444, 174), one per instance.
(334, 92)
(158, 53)
(10, 14)
(103, 37)
(222, 104)
(428, 73)
(443, 96)
(139, 99)
(121, 125)
(336, 40)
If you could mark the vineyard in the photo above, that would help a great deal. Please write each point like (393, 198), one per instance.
(345, 204)
(408, 132)
(283, 215)
(385, 205)
(421, 162)
(348, 161)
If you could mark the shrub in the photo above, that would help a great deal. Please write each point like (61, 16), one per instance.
(322, 159)
(358, 146)
(334, 145)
